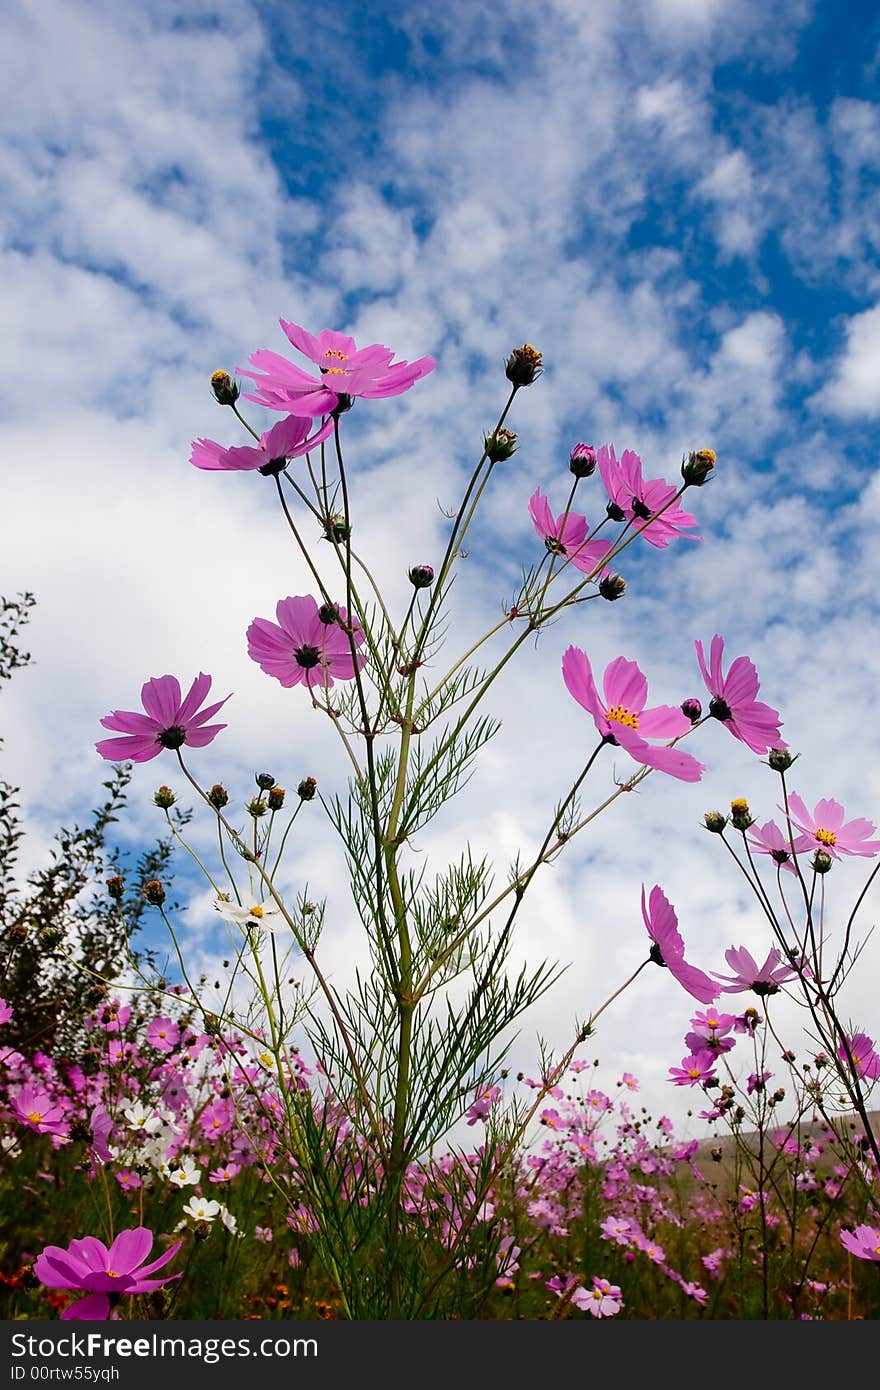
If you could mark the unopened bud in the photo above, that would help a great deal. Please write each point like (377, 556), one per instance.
(218, 796)
(116, 886)
(524, 365)
(336, 528)
(164, 797)
(740, 816)
(582, 460)
(276, 798)
(264, 781)
(715, 822)
(612, 587)
(821, 862)
(328, 614)
(499, 445)
(692, 708)
(154, 892)
(421, 576)
(780, 759)
(306, 789)
(696, 467)
(256, 807)
(225, 390)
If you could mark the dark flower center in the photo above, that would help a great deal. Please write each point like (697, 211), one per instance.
(175, 737)
(656, 955)
(720, 709)
(639, 509)
(307, 657)
(764, 987)
(615, 513)
(272, 468)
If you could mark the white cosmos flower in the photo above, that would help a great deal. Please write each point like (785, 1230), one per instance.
(201, 1209)
(142, 1119)
(265, 915)
(186, 1174)
(229, 1221)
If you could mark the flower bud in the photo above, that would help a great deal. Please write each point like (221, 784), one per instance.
(336, 528)
(154, 892)
(306, 789)
(165, 798)
(328, 614)
(715, 822)
(276, 798)
(421, 576)
(256, 807)
(821, 861)
(225, 390)
(116, 886)
(692, 708)
(695, 469)
(264, 781)
(612, 587)
(523, 365)
(218, 796)
(582, 460)
(740, 816)
(780, 759)
(499, 445)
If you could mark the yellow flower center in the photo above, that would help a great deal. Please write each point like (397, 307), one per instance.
(826, 837)
(739, 805)
(255, 912)
(334, 352)
(694, 1073)
(706, 455)
(35, 1117)
(621, 715)
(111, 1274)
(336, 371)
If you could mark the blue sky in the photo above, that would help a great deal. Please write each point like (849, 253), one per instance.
(677, 200)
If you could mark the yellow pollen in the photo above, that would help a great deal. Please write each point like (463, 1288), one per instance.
(334, 352)
(621, 715)
(256, 912)
(826, 837)
(111, 1274)
(739, 804)
(336, 371)
(694, 1072)
(35, 1117)
(265, 1058)
(706, 455)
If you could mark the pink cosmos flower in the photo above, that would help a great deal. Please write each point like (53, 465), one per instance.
(629, 1081)
(764, 979)
(169, 722)
(865, 1060)
(307, 645)
(101, 1125)
(6, 1011)
(668, 948)
(825, 830)
(769, 839)
(484, 1098)
(163, 1034)
(36, 1109)
(863, 1242)
(287, 440)
(346, 371)
(692, 1072)
(753, 723)
(634, 498)
(567, 536)
(603, 1300)
(622, 719)
(89, 1266)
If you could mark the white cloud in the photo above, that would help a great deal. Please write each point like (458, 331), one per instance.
(854, 389)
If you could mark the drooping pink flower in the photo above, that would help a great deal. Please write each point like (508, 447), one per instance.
(346, 371)
(668, 948)
(170, 721)
(865, 1060)
(307, 645)
(637, 499)
(825, 829)
(769, 839)
(863, 1242)
(692, 1072)
(89, 1266)
(733, 699)
(289, 439)
(621, 718)
(764, 979)
(34, 1107)
(567, 536)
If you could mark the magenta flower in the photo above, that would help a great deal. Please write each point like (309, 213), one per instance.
(35, 1108)
(863, 1242)
(753, 723)
(163, 1034)
(346, 372)
(636, 499)
(865, 1061)
(603, 1300)
(769, 839)
(764, 979)
(307, 645)
(6, 1011)
(89, 1266)
(484, 1098)
(287, 440)
(693, 1071)
(825, 830)
(621, 718)
(668, 947)
(169, 722)
(567, 536)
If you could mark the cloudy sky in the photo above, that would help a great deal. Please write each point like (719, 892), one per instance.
(676, 200)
